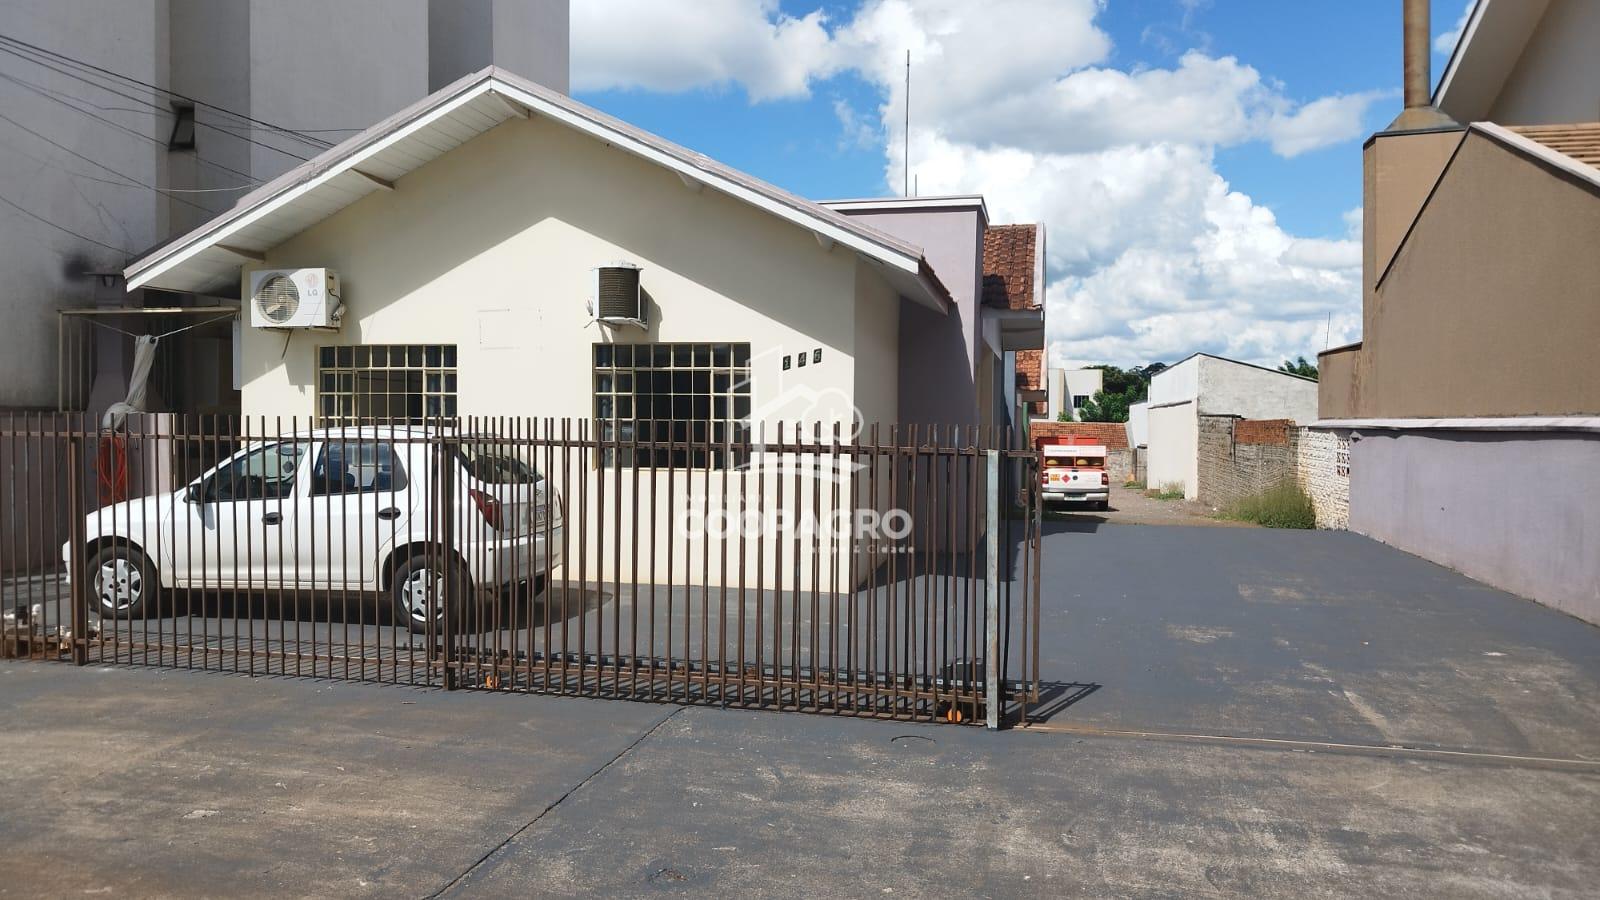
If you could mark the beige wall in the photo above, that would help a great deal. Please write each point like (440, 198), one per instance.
(1399, 171)
(491, 247)
(1492, 305)
(1337, 389)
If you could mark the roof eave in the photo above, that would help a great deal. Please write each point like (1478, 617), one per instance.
(826, 224)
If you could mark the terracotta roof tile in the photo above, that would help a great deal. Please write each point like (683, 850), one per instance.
(1008, 266)
(1113, 435)
(1581, 141)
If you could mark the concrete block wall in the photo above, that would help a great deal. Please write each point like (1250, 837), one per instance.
(1119, 465)
(1231, 470)
(1322, 466)
(1241, 457)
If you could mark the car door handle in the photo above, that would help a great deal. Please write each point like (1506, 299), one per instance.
(389, 514)
(272, 518)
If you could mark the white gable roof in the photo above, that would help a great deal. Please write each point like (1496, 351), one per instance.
(208, 258)
(1492, 41)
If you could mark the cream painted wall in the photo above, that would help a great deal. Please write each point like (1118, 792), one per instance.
(491, 248)
(1173, 454)
(1557, 78)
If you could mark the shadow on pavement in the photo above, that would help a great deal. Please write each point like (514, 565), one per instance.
(1056, 696)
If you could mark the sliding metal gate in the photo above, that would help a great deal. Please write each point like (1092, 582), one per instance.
(893, 573)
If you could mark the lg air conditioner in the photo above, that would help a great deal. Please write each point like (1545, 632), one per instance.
(618, 298)
(295, 298)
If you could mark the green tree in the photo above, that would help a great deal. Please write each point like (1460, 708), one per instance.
(1121, 388)
(1301, 366)
(1064, 416)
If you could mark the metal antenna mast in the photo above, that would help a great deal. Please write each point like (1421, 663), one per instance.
(907, 159)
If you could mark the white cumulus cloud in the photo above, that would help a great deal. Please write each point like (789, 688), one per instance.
(1152, 254)
(1446, 41)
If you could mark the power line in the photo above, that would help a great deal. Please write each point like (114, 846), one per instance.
(138, 184)
(157, 108)
(93, 162)
(117, 125)
(187, 99)
(57, 97)
(38, 218)
(150, 109)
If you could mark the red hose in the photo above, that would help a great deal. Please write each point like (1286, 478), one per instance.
(112, 465)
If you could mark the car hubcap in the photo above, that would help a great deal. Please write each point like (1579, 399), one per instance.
(420, 593)
(119, 585)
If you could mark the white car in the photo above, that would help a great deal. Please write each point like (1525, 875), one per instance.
(333, 510)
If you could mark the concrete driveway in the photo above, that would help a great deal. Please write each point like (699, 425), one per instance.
(1224, 711)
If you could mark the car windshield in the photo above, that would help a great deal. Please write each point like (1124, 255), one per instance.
(497, 463)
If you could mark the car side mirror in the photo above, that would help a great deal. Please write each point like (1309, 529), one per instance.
(194, 493)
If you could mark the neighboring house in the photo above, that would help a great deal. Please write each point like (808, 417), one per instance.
(1205, 385)
(135, 120)
(1473, 399)
(1013, 316)
(1070, 389)
(957, 369)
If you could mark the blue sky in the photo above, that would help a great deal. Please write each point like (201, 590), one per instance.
(763, 95)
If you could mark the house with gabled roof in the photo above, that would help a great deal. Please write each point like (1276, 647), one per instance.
(466, 233)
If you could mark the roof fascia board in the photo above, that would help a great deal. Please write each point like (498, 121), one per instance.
(974, 201)
(604, 132)
(1038, 265)
(1463, 44)
(199, 241)
(221, 231)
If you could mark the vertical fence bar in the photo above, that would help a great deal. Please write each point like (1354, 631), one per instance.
(992, 595)
(445, 469)
(77, 589)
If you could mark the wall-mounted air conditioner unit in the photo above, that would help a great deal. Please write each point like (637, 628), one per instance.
(618, 299)
(295, 298)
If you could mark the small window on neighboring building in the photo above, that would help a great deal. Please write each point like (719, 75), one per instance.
(182, 137)
(1078, 400)
(386, 384)
(684, 404)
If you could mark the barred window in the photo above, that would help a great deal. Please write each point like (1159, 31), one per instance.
(392, 384)
(685, 394)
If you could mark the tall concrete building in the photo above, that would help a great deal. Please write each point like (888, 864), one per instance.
(126, 122)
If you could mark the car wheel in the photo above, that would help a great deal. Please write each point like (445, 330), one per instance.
(121, 582)
(418, 592)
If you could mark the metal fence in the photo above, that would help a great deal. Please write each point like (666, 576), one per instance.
(890, 573)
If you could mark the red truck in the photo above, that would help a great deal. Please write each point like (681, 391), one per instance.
(1075, 473)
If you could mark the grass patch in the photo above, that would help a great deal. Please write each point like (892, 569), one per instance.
(1172, 490)
(1133, 485)
(1283, 506)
